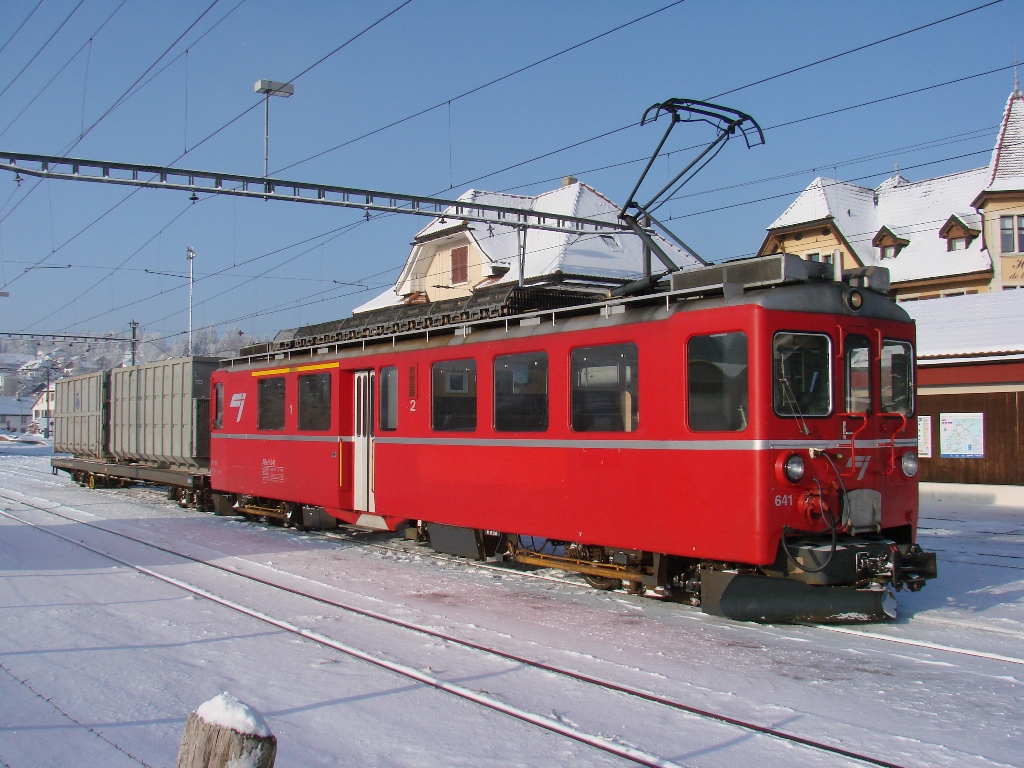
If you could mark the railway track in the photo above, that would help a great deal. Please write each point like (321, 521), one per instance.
(629, 753)
(530, 574)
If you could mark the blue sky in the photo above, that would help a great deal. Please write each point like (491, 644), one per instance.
(425, 54)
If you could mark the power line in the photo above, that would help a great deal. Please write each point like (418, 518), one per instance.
(482, 87)
(857, 49)
(773, 77)
(352, 39)
(61, 70)
(36, 54)
(23, 23)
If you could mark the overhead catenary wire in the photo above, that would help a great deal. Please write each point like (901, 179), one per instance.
(127, 94)
(61, 71)
(42, 48)
(24, 21)
(884, 39)
(481, 87)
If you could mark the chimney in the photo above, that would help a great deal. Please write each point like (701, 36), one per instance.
(568, 180)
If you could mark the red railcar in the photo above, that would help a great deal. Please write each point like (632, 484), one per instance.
(754, 453)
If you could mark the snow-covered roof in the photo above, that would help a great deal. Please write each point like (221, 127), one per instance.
(616, 256)
(12, 406)
(917, 210)
(981, 324)
(1006, 169)
(911, 210)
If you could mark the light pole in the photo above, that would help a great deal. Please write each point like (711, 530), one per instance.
(191, 256)
(270, 88)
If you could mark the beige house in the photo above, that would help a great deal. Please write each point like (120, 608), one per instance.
(952, 235)
(452, 258)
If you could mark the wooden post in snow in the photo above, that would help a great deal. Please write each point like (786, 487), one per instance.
(224, 732)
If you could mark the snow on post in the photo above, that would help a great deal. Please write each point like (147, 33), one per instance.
(225, 733)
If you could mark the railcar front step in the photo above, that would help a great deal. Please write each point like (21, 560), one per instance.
(754, 597)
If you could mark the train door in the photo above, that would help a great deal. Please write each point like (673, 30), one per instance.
(362, 479)
(860, 353)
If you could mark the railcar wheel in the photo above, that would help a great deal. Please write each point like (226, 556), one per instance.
(583, 552)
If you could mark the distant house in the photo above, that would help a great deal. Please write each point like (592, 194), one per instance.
(451, 258)
(42, 408)
(951, 235)
(15, 414)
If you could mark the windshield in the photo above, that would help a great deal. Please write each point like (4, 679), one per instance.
(802, 374)
(897, 377)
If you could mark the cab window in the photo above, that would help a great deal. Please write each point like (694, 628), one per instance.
(802, 374)
(858, 374)
(897, 377)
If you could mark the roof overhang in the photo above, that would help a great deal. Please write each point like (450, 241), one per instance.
(439, 234)
(995, 194)
(886, 236)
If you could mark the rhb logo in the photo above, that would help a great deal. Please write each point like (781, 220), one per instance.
(862, 465)
(238, 401)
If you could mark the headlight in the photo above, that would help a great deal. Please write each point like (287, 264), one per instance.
(909, 463)
(854, 299)
(794, 469)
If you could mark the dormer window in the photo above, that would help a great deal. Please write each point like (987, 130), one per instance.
(960, 230)
(888, 243)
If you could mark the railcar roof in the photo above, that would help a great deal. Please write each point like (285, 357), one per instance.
(812, 298)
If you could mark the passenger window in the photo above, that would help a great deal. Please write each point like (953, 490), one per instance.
(858, 374)
(270, 403)
(605, 393)
(897, 377)
(716, 374)
(315, 401)
(389, 399)
(454, 396)
(802, 374)
(218, 406)
(521, 392)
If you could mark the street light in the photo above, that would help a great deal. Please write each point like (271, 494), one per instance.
(270, 88)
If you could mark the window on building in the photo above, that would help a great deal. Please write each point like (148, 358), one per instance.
(890, 251)
(802, 373)
(270, 403)
(813, 257)
(315, 401)
(521, 392)
(1020, 234)
(1006, 239)
(956, 244)
(389, 399)
(858, 374)
(897, 371)
(605, 390)
(460, 265)
(454, 396)
(716, 379)
(218, 406)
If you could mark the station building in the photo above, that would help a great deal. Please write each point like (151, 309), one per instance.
(962, 233)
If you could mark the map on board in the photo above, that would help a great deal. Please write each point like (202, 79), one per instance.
(962, 435)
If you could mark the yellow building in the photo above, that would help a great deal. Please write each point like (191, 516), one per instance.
(952, 235)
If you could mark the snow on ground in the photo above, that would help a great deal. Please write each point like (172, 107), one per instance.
(100, 664)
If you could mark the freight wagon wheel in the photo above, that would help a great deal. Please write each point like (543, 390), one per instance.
(583, 552)
(92, 482)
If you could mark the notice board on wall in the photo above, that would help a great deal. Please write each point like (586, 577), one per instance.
(962, 435)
